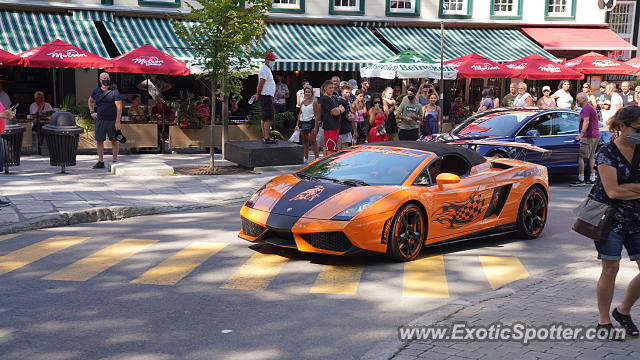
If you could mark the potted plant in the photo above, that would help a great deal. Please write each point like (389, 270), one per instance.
(188, 116)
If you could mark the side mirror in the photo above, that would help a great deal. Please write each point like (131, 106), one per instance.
(447, 178)
(532, 133)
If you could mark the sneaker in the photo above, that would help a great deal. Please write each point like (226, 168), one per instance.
(578, 183)
(5, 203)
(589, 182)
(98, 165)
(269, 141)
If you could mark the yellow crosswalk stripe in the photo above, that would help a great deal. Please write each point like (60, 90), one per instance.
(7, 237)
(502, 270)
(25, 256)
(257, 272)
(337, 279)
(181, 264)
(92, 265)
(425, 278)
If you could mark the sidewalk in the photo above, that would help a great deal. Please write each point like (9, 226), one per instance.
(41, 197)
(565, 295)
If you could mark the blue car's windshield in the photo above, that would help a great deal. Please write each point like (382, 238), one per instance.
(498, 124)
(372, 165)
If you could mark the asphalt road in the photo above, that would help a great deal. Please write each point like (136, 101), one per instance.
(183, 286)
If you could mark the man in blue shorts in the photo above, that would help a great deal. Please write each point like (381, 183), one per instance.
(105, 105)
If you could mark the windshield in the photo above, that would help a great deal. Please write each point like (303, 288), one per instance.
(499, 124)
(371, 165)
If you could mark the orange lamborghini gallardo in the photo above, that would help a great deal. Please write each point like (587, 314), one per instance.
(395, 198)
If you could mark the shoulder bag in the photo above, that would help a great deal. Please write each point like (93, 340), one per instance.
(594, 217)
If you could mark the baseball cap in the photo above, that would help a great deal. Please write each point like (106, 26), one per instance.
(546, 88)
(270, 56)
(120, 137)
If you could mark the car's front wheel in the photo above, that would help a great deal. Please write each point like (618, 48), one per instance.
(408, 233)
(532, 214)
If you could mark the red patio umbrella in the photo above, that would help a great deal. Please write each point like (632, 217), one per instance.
(594, 63)
(475, 66)
(635, 62)
(59, 54)
(148, 60)
(8, 59)
(535, 67)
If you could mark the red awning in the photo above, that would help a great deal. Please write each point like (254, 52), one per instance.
(578, 39)
(59, 54)
(475, 66)
(535, 67)
(594, 63)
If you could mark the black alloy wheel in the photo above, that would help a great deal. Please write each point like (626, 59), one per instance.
(408, 233)
(532, 214)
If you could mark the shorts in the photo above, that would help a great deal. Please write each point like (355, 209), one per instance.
(331, 140)
(104, 128)
(306, 125)
(345, 138)
(266, 107)
(412, 134)
(588, 147)
(612, 248)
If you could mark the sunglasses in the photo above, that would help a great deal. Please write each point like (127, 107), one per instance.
(586, 87)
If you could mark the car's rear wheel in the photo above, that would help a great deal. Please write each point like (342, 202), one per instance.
(532, 214)
(408, 232)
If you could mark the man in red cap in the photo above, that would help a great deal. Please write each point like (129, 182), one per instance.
(265, 92)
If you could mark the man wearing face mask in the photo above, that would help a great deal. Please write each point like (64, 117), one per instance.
(105, 105)
(410, 112)
(265, 93)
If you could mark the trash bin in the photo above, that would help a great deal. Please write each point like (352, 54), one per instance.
(12, 139)
(62, 135)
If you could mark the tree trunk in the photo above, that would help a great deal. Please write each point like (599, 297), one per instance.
(225, 115)
(213, 119)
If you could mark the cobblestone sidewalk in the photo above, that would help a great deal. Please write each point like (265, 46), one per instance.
(562, 296)
(41, 197)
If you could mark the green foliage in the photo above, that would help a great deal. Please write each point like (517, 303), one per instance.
(224, 36)
(190, 114)
(283, 121)
(276, 134)
(86, 123)
(255, 116)
(68, 103)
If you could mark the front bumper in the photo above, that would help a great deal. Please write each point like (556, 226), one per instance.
(315, 235)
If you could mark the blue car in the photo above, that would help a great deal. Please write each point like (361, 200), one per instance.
(554, 130)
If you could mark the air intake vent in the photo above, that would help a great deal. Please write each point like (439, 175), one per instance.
(333, 241)
(251, 229)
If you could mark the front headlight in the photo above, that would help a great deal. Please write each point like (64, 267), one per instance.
(255, 196)
(356, 208)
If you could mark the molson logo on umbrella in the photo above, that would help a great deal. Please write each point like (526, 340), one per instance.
(148, 61)
(550, 68)
(605, 63)
(573, 63)
(518, 66)
(63, 54)
(484, 67)
(455, 65)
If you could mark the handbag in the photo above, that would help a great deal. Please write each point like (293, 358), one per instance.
(594, 217)
(295, 137)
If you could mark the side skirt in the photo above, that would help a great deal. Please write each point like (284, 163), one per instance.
(501, 230)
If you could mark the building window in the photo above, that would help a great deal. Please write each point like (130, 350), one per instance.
(346, 7)
(560, 9)
(287, 6)
(506, 8)
(403, 8)
(162, 3)
(620, 20)
(455, 8)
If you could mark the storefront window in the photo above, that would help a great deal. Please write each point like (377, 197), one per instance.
(620, 20)
(286, 4)
(401, 6)
(346, 7)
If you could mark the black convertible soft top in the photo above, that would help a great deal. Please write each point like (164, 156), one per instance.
(439, 149)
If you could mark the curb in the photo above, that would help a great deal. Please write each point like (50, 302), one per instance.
(110, 213)
(387, 349)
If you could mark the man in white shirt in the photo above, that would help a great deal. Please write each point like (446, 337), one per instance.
(616, 103)
(39, 106)
(265, 91)
(626, 94)
(4, 98)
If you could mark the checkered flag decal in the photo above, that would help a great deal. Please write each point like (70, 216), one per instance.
(455, 215)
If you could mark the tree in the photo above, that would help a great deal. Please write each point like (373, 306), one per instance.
(224, 37)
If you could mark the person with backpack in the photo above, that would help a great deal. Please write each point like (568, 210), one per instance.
(105, 105)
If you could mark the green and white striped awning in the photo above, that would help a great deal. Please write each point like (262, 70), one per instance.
(24, 30)
(322, 47)
(90, 15)
(500, 45)
(130, 33)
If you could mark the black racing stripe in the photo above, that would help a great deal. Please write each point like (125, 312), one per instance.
(301, 198)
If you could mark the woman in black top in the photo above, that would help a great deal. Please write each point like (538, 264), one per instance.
(618, 183)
